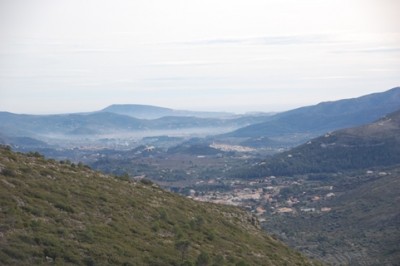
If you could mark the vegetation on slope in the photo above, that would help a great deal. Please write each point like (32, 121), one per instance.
(356, 221)
(68, 214)
(372, 145)
(361, 226)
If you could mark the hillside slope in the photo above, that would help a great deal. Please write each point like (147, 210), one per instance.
(71, 215)
(347, 182)
(327, 116)
(358, 223)
(372, 145)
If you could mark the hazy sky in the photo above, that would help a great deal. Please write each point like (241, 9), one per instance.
(234, 55)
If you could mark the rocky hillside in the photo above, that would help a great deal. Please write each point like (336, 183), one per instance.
(58, 212)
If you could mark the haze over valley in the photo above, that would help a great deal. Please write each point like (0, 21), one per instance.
(207, 133)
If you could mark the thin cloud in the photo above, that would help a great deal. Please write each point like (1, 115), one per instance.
(181, 79)
(267, 40)
(381, 50)
(384, 70)
(91, 50)
(372, 50)
(329, 77)
(169, 79)
(184, 63)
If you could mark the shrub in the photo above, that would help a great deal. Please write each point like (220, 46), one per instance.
(203, 259)
(64, 207)
(146, 182)
(8, 172)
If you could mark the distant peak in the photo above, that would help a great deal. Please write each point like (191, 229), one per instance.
(133, 107)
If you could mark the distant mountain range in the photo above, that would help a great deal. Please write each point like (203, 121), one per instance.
(154, 112)
(100, 125)
(91, 123)
(131, 121)
(306, 122)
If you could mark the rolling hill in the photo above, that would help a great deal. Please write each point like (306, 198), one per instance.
(92, 123)
(154, 112)
(138, 110)
(67, 214)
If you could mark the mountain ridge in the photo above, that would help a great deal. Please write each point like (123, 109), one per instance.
(155, 112)
(325, 116)
(372, 145)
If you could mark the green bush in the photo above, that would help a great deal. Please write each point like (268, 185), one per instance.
(64, 207)
(203, 259)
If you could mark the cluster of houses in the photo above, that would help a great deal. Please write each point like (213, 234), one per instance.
(266, 197)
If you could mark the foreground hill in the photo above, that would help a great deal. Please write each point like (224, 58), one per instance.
(372, 145)
(311, 121)
(69, 214)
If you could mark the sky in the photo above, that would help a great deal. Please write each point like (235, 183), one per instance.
(60, 56)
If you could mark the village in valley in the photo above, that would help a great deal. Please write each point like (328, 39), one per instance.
(270, 196)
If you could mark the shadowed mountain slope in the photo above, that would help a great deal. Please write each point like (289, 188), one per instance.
(326, 116)
(372, 145)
